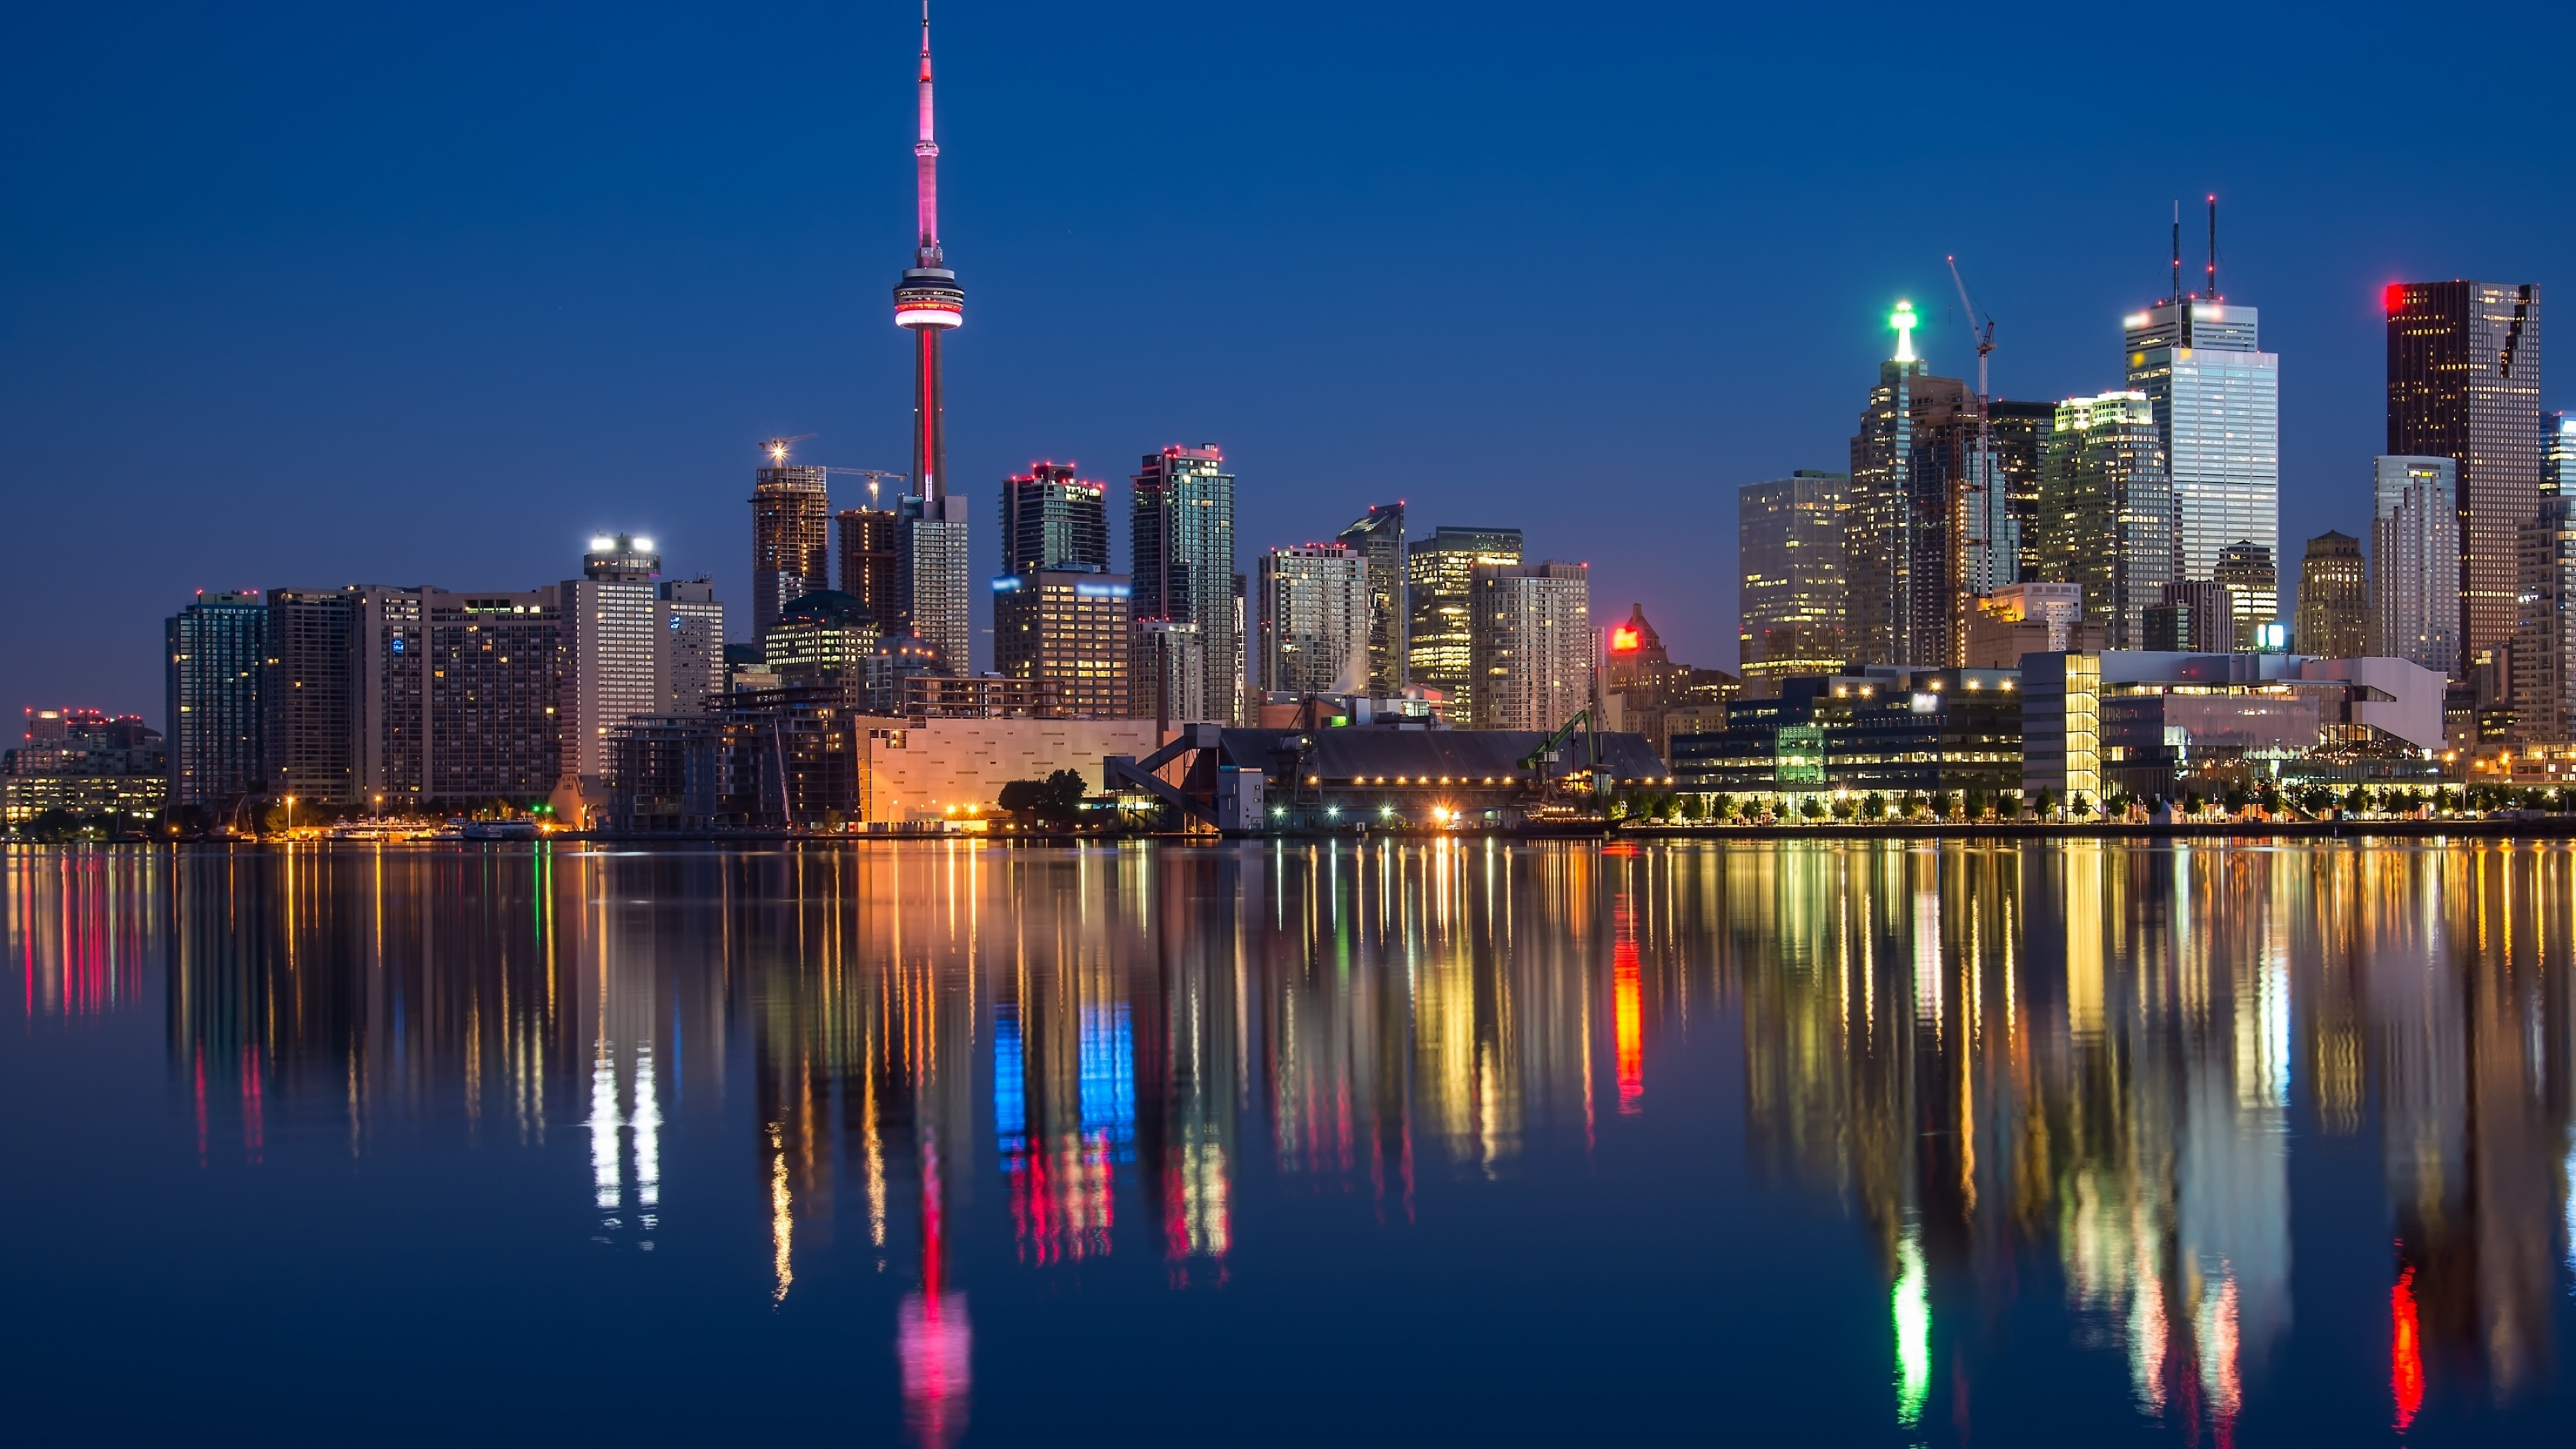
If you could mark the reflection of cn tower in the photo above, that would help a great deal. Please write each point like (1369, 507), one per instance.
(928, 302)
(931, 1333)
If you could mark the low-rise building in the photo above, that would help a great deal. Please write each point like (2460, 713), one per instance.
(85, 764)
(1887, 729)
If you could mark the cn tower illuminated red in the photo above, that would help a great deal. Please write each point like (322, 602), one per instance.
(928, 302)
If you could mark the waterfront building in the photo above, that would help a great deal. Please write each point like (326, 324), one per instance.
(1789, 543)
(824, 638)
(689, 645)
(2334, 598)
(1182, 535)
(1052, 519)
(310, 730)
(931, 573)
(1908, 563)
(85, 764)
(216, 649)
(1531, 645)
(1071, 630)
(2106, 515)
(2542, 676)
(1439, 644)
(2214, 397)
(1645, 691)
(1884, 729)
(491, 679)
(2253, 586)
(869, 560)
(791, 507)
(2415, 562)
(610, 670)
(1313, 606)
(1378, 538)
(2464, 385)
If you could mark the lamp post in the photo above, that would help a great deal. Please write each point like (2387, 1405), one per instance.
(290, 817)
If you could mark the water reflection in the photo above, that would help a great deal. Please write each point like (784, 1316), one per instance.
(2075, 1074)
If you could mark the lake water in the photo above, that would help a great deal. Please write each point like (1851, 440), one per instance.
(1863, 1142)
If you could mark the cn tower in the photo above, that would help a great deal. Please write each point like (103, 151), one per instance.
(928, 302)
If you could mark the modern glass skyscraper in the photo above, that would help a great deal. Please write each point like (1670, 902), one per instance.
(1789, 543)
(931, 597)
(609, 670)
(1059, 616)
(218, 646)
(1911, 549)
(2464, 384)
(1533, 646)
(1378, 538)
(1313, 603)
(1181, 514)
(1052, 519)
(2415, 562)
(2106, 513)
(1439, 644)
(2216, 398)
(2020, 434)
(2334, 598)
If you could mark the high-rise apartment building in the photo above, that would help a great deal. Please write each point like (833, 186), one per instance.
(309, 696)
(931, 594)
(217, 648)
(870, 557)
(791, 534)
(611, 673)
(1052, 519)
(2106, 512)
(1378, 538)
(1182, 534)
(2464, 384)
(2019, 435)
(1912, 551)
(1789, 542)
(1313, 604)
(2215, 396)
(1439, 642)
(689, 642)
(2334, 598)
(2253, 590)
(1071, 631)
(2415, 562)
(494, 670)
(1169, 674)
(1532, 648)
(2543, 660)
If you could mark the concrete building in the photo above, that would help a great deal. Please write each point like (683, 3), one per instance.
(2106, 515)
(1169, 673)
(689, 645)
(85, 764)
(1071, 630)
(1378, 538)
(2194, 617)
(791, 539)
(1440, 641)
(1531, 645)
(953, 769)
(310, 730)
(610, 670)
(2334, 598)
(2214, 397)
(491, 680)
(1313, 603)
(2464, 385)
(2253, 583)
(1053, 519)
(1183, 557)
(1789, 544)
(216, 649)
(2029, 618)
(826, 637)
(932, 596)
(869, 562)
(2415, 562)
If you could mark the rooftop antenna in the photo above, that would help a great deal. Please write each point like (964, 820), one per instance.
(2177, 253)
(2213, 246)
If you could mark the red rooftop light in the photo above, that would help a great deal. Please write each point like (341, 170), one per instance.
(2394, 297)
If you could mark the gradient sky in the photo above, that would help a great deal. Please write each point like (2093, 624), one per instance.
(316, 294)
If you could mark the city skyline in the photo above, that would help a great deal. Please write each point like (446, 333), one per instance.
(599, 465)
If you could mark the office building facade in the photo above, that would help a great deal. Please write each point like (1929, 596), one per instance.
(1439, 642)
(932, 598)
(689, 645)
(1070, 631)
(2106, 514)
(1052, 519)
(1910, 555)
(2334, 598)
(2253, 590)
(2215, 397)
(611, 672)
(1313, 603)
(2415, 558)
(216, 649)
(1378, 538)
(1789, 544)
(2464, 384)
(1532, 646)
(1181, 515)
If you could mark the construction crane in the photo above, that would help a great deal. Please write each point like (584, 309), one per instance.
(1536, 761)
(874, 477)
(777, 448)
(1980, 507)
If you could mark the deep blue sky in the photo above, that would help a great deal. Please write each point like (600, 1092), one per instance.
(312, 294)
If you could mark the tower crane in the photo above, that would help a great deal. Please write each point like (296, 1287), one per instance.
(777, 448)
(874, 476)
(1981, 507)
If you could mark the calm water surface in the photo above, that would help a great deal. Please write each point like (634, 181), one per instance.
(1864, 1143)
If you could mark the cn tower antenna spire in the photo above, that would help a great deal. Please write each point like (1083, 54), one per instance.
(927, 150)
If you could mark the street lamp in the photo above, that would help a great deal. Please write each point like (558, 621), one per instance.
(290, 817)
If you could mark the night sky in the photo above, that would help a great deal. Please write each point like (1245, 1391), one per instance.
(317, 294)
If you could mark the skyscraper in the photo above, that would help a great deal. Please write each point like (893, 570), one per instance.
(1378, 538)
(1532, 646)
(869, 558)
(2334, 598)
(1440, 646)
(217, 647)
(791, 534)
(1181, 516)
(2106, 513)
(1052, 519)
(2215, 395)
(1912, 546)
(610, 672)
(1314, 609)
(1789, 541)
(2019, 433)
(490, 682)
(2464, 384)
(930, 538)
(688, 652)
(2543, 675)
(308, 693)
(2253, 590)
(1072, 629)
(2415, 562)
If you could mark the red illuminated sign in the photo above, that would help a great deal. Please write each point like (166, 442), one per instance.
(1624, 640)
